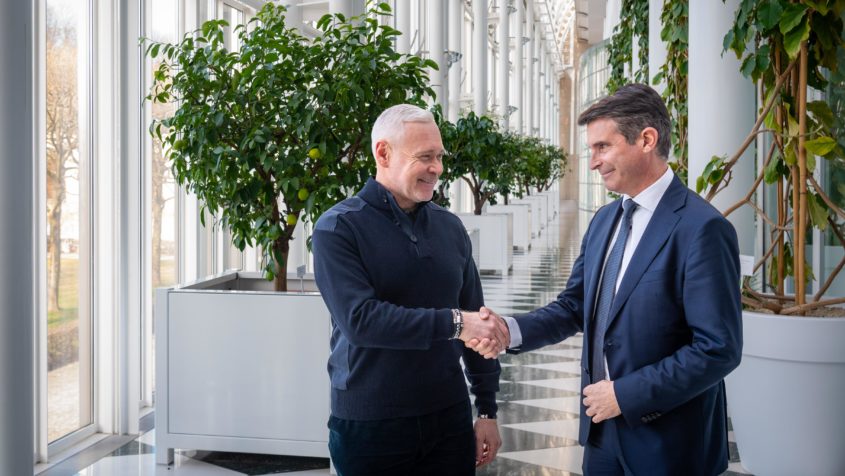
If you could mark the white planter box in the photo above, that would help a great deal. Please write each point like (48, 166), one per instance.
(539, 212)
(553, 196)
(475, 240)
(521, 222)
(785, 398)
(241, 370)
(496, 240)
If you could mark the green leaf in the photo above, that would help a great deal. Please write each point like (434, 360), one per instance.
(822, 112)
(818, 211)
(790, 158)
(792, 16)
(820, 146)
(769, 13)
(700, 183)
(792, 40)
(772, 173)
(819, 6)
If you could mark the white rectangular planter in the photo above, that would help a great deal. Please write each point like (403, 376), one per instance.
(521, 222)
(496, 240)
(539, 213)
(241, 370)
(553, 196)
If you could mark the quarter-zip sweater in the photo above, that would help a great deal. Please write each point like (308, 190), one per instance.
(390, 281)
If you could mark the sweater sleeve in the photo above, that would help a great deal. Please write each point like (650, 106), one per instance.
(354, 305)
(483, 374)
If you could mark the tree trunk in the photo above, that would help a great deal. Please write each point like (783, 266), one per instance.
(781, 199)
(801, 212)
(282, 247)
(54, 251)
(157, 210)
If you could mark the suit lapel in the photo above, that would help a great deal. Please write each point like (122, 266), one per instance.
(596, 250)
(659, 230)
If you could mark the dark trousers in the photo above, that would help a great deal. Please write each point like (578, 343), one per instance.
(602, 454)
(440, 443)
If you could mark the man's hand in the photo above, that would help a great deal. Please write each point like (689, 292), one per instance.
(487, 347)
(482, 333)
(487, 441)
(600, 400)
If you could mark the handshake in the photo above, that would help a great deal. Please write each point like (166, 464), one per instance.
(485, 332)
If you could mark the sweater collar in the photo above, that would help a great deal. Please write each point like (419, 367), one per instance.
(376, 195)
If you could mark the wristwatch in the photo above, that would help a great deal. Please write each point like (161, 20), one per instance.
(486, 416)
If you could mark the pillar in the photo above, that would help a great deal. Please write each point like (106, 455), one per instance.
(503, 70)
(17, 241)
(479, 55)
(721, 110)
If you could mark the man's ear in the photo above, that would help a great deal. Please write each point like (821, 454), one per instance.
(649, 135)
(382, 153)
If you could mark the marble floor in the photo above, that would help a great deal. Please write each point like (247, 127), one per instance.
(538, 412)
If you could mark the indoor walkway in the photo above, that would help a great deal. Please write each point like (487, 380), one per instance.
(538, 401)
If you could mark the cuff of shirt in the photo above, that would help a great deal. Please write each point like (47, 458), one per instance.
(516, 334)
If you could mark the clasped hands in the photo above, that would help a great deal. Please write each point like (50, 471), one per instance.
(485, 332)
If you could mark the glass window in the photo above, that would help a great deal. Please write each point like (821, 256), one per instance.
(68, 171)
(161, 198)
(234, 17)
(593, 74)
(833, 181)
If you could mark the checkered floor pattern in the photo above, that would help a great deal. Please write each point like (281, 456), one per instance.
(538, 412)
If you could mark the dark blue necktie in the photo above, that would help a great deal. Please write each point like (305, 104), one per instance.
(608, 291)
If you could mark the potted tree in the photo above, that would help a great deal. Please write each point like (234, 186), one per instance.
(784, 397)
(476, 156)
(278, 129)
(265, 134)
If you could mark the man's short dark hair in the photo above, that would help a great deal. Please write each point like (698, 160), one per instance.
(634, 107)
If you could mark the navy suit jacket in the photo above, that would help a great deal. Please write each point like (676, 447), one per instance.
(674, 332)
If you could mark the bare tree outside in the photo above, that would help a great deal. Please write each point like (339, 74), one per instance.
(62, 143)
(163, 190)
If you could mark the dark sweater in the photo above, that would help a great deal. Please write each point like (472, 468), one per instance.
(390, 281)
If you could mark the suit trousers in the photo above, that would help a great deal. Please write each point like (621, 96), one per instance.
(602, 453)
(441, 443)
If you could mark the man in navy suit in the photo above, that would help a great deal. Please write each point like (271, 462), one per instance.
(655, 291)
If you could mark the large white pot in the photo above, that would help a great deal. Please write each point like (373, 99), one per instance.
(241, 368)
(787, 396)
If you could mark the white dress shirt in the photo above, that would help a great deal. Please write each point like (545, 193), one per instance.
(647, 201)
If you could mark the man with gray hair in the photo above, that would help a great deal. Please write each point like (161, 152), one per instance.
(395, 271)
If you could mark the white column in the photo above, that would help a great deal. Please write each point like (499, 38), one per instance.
(656, 46)
(454, 75)
(456, 70)
(721, 110)
(538, 84)
(348, 8)
(556, 111)
(341, 6)
(403, 24)
(17, 241)
(530, 70)
(479, 55)
(436, 51)
(293, 17)
(503, 71)
(544, 89)
(517, 67)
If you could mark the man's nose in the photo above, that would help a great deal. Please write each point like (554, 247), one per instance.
(594, 162)
(437, 167)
